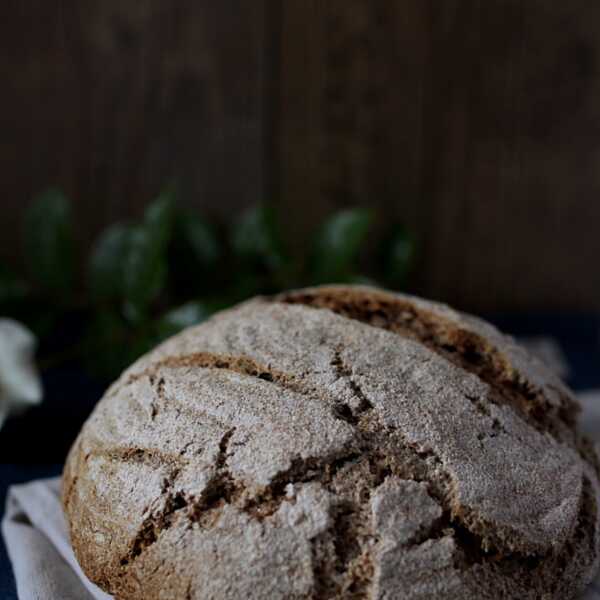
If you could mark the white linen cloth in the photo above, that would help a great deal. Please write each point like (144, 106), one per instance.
(45, 567)
(37, 541)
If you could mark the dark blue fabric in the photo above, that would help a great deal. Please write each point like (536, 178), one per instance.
(46, 432)
(578, 336)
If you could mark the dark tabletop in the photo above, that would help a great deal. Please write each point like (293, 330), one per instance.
(35, 445)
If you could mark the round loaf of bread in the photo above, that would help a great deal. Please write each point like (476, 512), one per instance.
(335, 442)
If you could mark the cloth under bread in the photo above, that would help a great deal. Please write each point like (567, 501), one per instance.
(37, 541)
(45, 567)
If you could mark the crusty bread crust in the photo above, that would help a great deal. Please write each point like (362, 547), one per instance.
(335, 442)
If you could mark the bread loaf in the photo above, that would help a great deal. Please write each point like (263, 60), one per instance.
(335, 442)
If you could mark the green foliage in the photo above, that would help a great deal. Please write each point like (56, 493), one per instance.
(129, 262)
(173, 268)
(201, 239)
(107, 264)
(397, 255)
(159, 219)
(49, 245)
(145, 261)
(258, 257)
(255, 239)
(145, 271)
(337, 245)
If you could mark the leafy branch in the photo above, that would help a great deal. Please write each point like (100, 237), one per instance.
(147, 280)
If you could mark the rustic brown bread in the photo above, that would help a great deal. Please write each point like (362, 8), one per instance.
(335, 442)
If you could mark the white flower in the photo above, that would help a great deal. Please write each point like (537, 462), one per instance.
(20, 384)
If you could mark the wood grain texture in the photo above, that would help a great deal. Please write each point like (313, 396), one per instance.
(476, 124)
(111, 99)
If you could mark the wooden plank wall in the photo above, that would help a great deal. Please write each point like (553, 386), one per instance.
(477, 123)
(111, 99)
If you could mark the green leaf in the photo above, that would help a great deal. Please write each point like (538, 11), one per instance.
(159, 218)
(129, 262)
(49, 242)
(201, 238)
(145, 272)
(397, 255)
(255, 237)
(145, 266)
(107, 263)
(338, 243)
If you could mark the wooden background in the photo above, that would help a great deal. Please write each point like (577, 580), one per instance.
(477, 123)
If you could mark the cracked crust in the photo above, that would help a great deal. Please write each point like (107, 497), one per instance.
(337, 442)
